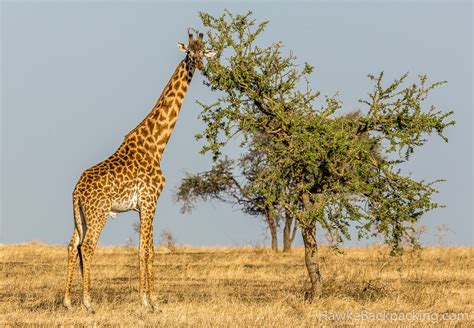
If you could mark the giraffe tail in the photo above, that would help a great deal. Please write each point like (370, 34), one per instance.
(80, 226)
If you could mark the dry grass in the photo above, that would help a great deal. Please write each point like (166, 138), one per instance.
(238, 286)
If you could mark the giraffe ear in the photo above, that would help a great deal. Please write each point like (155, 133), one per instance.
(182, 47)
(209, 53)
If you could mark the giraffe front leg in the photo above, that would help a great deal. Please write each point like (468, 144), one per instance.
(142, 255)
(151, 277)
(147, 211)
(150, 271)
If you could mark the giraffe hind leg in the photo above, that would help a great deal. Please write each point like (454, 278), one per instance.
(73, 249)
(73, 253)
(96, 220)
(82, 228)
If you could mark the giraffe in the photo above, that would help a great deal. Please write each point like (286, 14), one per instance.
(130, 179)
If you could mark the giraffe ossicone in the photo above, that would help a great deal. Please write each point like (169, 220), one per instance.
(130, 179)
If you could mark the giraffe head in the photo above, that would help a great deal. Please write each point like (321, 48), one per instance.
(195, 50)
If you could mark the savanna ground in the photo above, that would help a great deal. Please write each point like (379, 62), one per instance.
(242, 287)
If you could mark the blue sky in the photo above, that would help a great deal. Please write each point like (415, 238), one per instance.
(77, 76)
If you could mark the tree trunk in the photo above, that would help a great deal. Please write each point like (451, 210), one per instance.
(311, 260)
(273, 230)
(288, 233)
(308, 231)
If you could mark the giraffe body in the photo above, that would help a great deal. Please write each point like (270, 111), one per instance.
(130, 179)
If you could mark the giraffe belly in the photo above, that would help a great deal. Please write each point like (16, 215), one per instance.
(124, 204)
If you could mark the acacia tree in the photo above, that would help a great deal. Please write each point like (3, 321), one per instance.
(340, 170)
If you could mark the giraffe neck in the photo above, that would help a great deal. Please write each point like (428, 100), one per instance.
(153, 133)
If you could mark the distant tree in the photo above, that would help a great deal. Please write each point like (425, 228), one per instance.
(230, 181)
(340, 170)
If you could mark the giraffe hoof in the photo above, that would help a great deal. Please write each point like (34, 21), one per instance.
(154, 308)
(89, 308)
(67, 304)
